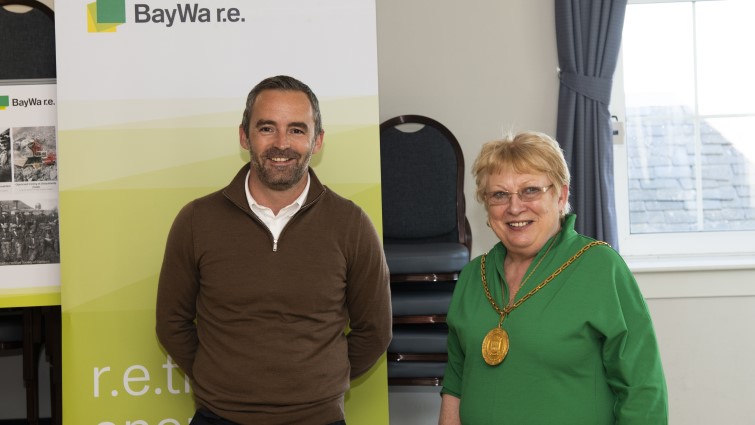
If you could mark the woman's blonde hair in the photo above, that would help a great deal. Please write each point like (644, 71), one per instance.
(526, 153)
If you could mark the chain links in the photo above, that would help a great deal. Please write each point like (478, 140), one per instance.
(509, 308)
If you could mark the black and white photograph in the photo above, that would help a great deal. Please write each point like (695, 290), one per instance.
(29, 233)
(6, 171)
(34, 154)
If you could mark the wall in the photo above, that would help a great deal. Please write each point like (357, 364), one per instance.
(485, 66)
(481, 68)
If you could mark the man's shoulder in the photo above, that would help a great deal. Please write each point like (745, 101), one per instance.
(203, 204)
(206, 199)
(336, 208)
(337, 201)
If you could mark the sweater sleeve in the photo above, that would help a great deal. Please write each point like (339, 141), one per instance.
(368, 299)
(177, 293)
(630, 351)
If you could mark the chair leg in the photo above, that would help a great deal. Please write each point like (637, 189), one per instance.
(54, 357)
(31, 353)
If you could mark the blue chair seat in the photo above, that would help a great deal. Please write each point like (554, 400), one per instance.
(419, 339)
(416, 369)
(440, 257)
(419, 299)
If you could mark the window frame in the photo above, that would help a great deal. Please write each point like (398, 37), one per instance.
(673, 250)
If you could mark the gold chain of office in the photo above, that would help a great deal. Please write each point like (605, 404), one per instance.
(495, 346)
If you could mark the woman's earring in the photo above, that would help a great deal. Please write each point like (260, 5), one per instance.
(487, 222)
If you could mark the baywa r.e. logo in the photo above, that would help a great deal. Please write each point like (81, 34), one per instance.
(106, 15)
(30, 102)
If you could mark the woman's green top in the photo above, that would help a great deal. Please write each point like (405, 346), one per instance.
(582, 349)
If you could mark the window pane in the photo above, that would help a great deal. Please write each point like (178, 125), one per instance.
(659, 89)
(728, 164)
(658, 56)
(725, 73)
(661, 173)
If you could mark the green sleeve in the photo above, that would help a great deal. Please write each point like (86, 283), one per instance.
(452, 378)
(630, 350)
(454, 367)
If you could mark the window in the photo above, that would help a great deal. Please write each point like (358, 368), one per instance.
(685, 91)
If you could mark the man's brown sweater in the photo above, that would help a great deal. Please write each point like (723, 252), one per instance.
(260, 328)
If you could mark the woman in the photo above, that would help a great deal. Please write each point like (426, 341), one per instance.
(548, 327)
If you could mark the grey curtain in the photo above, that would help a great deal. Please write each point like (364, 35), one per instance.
(588, 38)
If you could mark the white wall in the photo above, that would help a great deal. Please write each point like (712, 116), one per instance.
(484, 66)
(480, 67)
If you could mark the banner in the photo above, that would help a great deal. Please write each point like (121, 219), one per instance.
(29, 242)
(150, 97)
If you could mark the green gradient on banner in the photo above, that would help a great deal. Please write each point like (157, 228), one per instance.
(121, 187)
(39, 296)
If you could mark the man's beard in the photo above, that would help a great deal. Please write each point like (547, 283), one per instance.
(276, 178)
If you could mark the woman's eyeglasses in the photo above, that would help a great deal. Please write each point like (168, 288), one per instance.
(528, 194)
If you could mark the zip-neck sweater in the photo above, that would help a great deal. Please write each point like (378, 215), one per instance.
(259, 327)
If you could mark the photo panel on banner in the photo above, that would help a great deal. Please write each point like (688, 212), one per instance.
(29, 213)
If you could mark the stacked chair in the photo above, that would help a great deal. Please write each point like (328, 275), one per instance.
(21, 333)
(24, 331)
(426, 238)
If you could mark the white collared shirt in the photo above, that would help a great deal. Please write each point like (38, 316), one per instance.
(275, 223)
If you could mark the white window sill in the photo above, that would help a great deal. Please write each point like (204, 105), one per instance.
(687, 263)
(695, 276)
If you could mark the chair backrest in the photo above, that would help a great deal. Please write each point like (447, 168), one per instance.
(422, 182)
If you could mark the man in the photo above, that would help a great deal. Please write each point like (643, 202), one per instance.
(261, 279)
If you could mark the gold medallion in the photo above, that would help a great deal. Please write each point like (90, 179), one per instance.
(495, 346)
